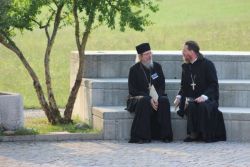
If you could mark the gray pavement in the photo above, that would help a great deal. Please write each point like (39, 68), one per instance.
(98, 153)
(120, 153)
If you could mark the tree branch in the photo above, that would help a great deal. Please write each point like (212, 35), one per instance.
(81, 50)
(77, 26)
(39, 24)
(50, 42)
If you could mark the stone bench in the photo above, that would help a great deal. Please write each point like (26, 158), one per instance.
(114, 91)
(11, 111)
(115, 123)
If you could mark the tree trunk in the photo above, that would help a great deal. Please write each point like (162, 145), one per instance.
(50, 41)
(81, 51)
(73, 94)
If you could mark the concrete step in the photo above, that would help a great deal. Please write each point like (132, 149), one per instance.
(115, 64)
(115, 123)
(233, 93)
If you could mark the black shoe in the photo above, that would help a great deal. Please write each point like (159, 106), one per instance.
(133, 141)
(166, 140)
(141, 141)
(189, 139)
(181, 113)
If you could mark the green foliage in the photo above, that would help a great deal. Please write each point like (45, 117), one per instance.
(4, 8)
(18, 14)
(130, 13)
(27, 14)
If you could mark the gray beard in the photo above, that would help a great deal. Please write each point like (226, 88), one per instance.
(148, 65)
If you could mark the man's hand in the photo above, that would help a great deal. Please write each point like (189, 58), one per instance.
(200, 99)
(154, 104)
(177, 102)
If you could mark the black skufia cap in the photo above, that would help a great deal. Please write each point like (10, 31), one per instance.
(142, 48)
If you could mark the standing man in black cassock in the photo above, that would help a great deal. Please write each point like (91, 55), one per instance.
(152, 116)
(200, 90)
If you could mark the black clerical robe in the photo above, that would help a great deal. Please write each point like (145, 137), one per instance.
(148, 124)
(200, 78)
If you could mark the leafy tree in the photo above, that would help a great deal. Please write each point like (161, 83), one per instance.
(23, 15)
(85, 15)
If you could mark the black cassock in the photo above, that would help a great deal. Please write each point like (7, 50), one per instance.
(148, 124)
(202, 118)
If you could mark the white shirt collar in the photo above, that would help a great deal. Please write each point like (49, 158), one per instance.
(192, 62)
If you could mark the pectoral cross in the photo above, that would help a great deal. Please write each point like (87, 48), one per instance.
(193, 85)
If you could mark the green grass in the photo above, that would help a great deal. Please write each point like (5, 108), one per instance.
(21, 131)
(26, 131)
(215, 24)
(42, 126)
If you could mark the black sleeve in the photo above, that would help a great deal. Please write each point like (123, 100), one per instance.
(132, 85)
(161, 90)
(212, 90)
(181, 91)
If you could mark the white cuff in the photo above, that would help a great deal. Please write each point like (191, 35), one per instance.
(204, 97)
(178, 97)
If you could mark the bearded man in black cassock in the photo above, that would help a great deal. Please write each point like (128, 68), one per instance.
(152, 116)
(200, 93)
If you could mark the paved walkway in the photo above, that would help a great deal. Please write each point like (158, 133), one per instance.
(120, 153)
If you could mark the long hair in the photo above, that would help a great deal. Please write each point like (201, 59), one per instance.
(137, 59)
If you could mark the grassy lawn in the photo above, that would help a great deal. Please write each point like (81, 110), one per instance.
(40, 125)
(215, 24)
(43, 127)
